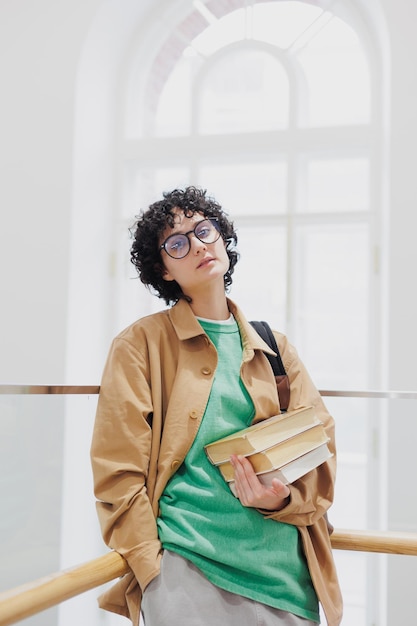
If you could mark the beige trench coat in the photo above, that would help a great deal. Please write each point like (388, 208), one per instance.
(153, 395)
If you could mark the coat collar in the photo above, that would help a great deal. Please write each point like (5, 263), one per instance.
(187, 326)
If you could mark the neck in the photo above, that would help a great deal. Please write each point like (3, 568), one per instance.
(210, 307)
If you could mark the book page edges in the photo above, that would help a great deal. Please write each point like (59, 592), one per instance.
(262, 447)
(227, 471)
(240, 438)
(280, 472)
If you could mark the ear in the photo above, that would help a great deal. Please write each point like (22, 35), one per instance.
(165, 274)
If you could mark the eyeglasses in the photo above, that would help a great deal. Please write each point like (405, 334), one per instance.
(177, 246)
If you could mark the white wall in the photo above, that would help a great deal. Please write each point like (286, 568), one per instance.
(40, 44)
(39, 52)
(401, 18)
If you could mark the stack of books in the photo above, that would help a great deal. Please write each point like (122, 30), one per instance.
(285, 446)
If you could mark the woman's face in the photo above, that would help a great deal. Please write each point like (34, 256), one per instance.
(203, 266)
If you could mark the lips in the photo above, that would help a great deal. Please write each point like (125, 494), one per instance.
(205, 261)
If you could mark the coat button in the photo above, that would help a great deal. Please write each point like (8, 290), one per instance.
(175, 465)
(193, 414)
(206, 371)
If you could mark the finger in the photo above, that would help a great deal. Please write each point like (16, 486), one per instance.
(245, 477)
(245, 474)
(251, 492)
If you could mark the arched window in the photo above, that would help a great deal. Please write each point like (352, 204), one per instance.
(274, 108)
(269, 108)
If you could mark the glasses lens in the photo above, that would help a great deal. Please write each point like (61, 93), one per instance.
(207, 231)
(177, 246)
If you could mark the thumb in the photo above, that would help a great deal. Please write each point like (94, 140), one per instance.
(281, 490)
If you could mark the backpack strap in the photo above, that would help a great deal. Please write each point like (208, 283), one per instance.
(283, 386)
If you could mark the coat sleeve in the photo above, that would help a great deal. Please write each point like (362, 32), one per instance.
(311, 495)
(120, 453)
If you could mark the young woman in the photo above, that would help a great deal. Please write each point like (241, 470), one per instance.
(173, 382)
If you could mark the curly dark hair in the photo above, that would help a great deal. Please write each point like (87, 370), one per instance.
(146, 232)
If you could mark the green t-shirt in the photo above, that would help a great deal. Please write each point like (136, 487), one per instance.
(234, 546)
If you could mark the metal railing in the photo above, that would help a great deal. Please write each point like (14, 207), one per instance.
(95, 389)
(39, 595)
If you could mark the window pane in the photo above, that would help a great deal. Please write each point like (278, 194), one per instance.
(278, 23)
(145, 185)
(246, 91)
(173, 116)
(337, 77)
(337, 185)
(220, 33)
(331, 302)
(248, 188)
(282, 23)
(259, 278)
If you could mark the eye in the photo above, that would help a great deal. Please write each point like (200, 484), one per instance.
(177, 243)
(204, 230)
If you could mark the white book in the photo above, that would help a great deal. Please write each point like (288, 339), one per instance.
(295, 469)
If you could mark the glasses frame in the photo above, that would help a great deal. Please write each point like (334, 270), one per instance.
(212, 220)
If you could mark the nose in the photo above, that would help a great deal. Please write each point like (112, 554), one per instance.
(196, 244)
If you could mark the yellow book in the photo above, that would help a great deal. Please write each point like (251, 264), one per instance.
(261, 435)
(282, 453)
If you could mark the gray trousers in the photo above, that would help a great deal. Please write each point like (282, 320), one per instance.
(182, 596)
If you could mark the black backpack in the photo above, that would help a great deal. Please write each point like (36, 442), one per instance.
(264, 330)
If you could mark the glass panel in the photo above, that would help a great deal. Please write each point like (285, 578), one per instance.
(337, 76)
(142, 186)
(248, 188)
(278, 23)
(48, 519)
(173, 115)
(31, 447)
(246, 91)
(352, 572)
(331, 302)
(352, 440)
(353, 427)
(131, 298)
(337, 185)
(220, 33)
(282, 23)
(259, 279)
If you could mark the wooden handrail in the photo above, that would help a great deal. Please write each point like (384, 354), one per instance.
(34, 597)
(385, 542)
(31, 598)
